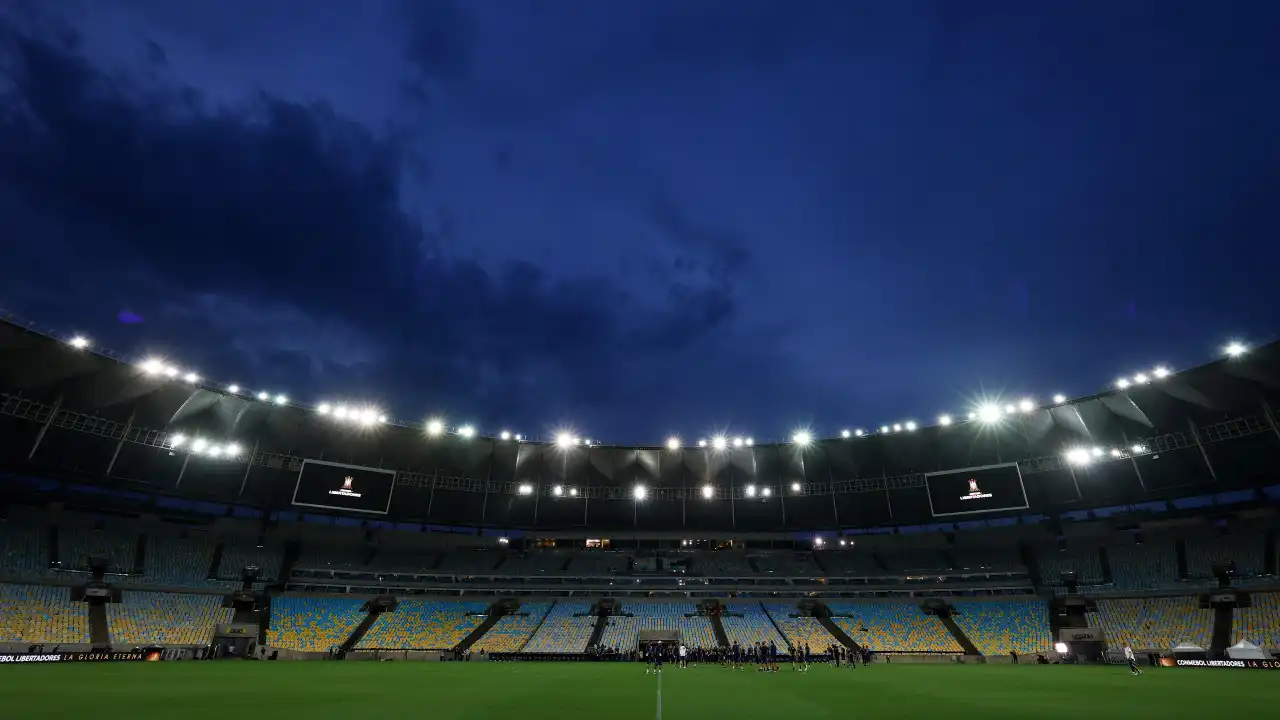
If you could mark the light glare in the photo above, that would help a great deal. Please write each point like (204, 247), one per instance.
(708, 492)
(944, 420)
(640, 492)
(435, 427)
(1059, 399)
(79, 342)
(673, 443)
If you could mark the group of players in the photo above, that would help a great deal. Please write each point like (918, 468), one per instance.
(763, 655)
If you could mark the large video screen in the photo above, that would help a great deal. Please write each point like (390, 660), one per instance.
(990, 488)
(344, 487)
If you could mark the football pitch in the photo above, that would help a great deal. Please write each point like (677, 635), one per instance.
(534, 691)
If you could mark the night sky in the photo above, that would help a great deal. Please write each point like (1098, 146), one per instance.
(636, 218)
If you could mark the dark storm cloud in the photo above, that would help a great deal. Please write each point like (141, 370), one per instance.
(250, 224)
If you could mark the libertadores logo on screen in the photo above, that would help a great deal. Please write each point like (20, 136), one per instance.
(975, 493)
(345, 490)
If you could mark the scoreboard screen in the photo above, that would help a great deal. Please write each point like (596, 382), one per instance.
(344, 487)
(990, 488)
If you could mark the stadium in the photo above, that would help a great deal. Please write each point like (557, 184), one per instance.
(994, 563)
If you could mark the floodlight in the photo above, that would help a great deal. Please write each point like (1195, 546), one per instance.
(467, 431)
(382, 419)
(640, 492)
(843, 542)
(944, 420)
(557, 491)
(750, 442)
(1061, 648)
(1235, 349)
(884, 429)
(341, 412)
(1122, 383)
(564, 440)
(1010, 409)
(795, 487)
(738, 442)
(215, 451)
(751, 491)
(233, 449)
(702, 443)
(282, 399)
(1059, 399)
(818, 541)
(79, 342)
(505, 435)
(324, 409)
(858, 433)
(503, 541)
(766, 492)
(910, 426)
(973, 416)
(191, 378)
(525, 489)
(673, 443)
(1026, 406)
(708, 492)
(573, 492)
(233, 389)
(263, 396)
(586, 441)
(897, 427)
(1161, 372)
(578, 441)
(1141, 379)
(170, 371)
(177, 440)
(1138, 449)
(719, 442)
(989, 413)
(845, 433)
(802, 437)
(152, 366)
(1078, 456)
(199, 445)
(1115, 453)
(1097, 451)
(435, 427)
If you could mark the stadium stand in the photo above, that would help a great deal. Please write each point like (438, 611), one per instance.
(24, 549)
(179, 562)
(566, 629)
(599, 562)
(849, 563)
(1084, 561)
(727, 563)
(404, 561)
(1154, 623)
(41, 614)
(169, 619)
(623, 631)
(424, 625)
(1259, 624)
(313, 624)
(802, 630)
(80, 538)
(469, 562)
(1001, 627)
(512, 631)
(545, 562)
(789, 564)
(893, 627)
(1204, 550)
(236, 556)
(987, 559)
(331, 558)
(747, 624)
(1151, 566)
(915, 560)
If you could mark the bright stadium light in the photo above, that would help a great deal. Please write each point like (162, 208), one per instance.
(233, 389)
(282, 399)
(382, 419)
(884, 429)
(973, 416)
(719, 442)
(324, 409)
(1059, 399)
(766, 492)
(1010, 409)
(1122, 383)
(897, 427)
(910, 426)
(564, 440)
(751, 491)
(177, 440)
(557, 491)
(1096, 451)
(573, 492)
(750, 442)
(702, 443)
(79, 342)
(802, 438)
(640, 492)
(519, 437)
(1138, 449)
(1026, 405)
(198, 445)
(1141, 379)
(170, 371)
(1115, 453)
(1161, 372)
(673, 443)
(1061, 648)
(152, 366)
(1078, 456)
(467, 431)
(944, 420)
(435, 427)
(1235, 349)
(578, 441)
(233, 449)
(215, 451)
(191, 378)
(505, 435)
(845, 434)
(818, 541)
(738, 442)
(795, 487)
(989, 413)
(263, 396)
(708, 492)
(341, 412)
(525, 489)
(858, 433)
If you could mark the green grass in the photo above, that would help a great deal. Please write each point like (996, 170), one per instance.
(534, 691)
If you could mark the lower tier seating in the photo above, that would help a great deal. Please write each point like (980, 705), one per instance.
(1154, 623)
(894, 627)
(623, 631)
(146, 618)
(999, 628)
(313, 624)
(566, 629)
(748, 624)
(800, 630)
(511, 632)
(424, 625)
(41, 614)
(1259, 624)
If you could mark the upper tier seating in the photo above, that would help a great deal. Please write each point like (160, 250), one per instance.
(1152, 566)
(800, 630)
(752, 627)
(1259, 624)
(405, 561)
(922, 560)
(24, 548)
(511, 632)
(424, 625)
(469, 562)
(1242, 548)
(850, 563)
(724, 563)
(789, 564)
(999, 628)
(313, 624)
(1082, 560)
(41, 614)
(566, 629)
(599, 562)
(1154, 623)
(146, 618)
(237, 555)
(180, 562)
(77, 544)
(893, 627)
(989, 559)
(624, 632)
(540, 562)
(330, 558)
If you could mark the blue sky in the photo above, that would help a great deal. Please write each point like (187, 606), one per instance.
(644, 218)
